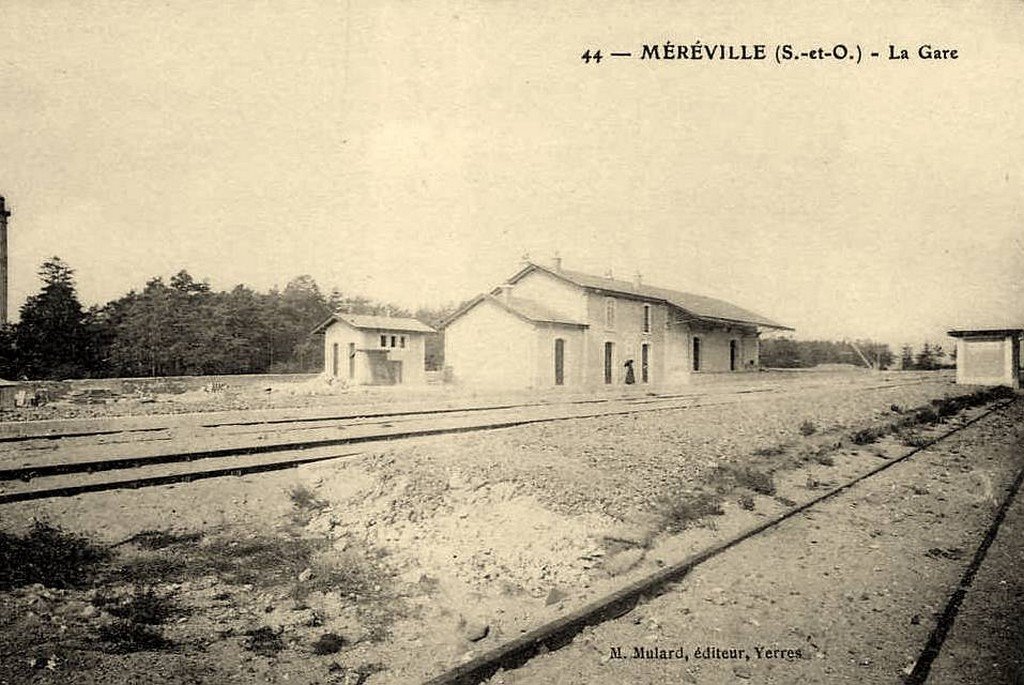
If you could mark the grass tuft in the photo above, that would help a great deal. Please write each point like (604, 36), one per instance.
(124, 636)
(807, 428)
(143, 606)
(161, 539)
(724, 478)
(680, 513)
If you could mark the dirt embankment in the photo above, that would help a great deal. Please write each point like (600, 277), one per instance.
(389, 568)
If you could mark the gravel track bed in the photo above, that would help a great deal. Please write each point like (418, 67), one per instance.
(467, 540)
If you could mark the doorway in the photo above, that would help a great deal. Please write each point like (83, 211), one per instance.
(734, 354)
(559, 361)
(609, 354)
(645, 363)
(334, 360)
(351, 360)
(696, 354)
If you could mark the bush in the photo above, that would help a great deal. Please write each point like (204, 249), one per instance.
(144, 606)
(263, 641)
(729, 476)
(866, 436)
(49, 556)
(913, 439)
(328, 643)
(127, 636)
(758, 481)
(807, 428)
(679, 514)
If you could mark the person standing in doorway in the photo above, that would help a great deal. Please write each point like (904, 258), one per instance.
(630, 375)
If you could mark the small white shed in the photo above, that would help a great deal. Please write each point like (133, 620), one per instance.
(375, 350)
(989, 356)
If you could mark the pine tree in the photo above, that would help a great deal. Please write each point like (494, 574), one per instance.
(52, 337)
(926, 358)
(907, 358)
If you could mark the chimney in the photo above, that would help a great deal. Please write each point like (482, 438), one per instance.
(556, 262)
(506, 292)
(3, 260)
(638, 280)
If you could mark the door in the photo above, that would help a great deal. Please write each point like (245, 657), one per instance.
(733, 354)
(645, 363)
(351, 360)
(609, 349)
(559, 361)
(696, 354)
(334, 360)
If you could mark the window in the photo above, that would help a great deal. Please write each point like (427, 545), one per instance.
(401, 342)
(383, 341)
(609, 314)
(647, 318)
(392, 341)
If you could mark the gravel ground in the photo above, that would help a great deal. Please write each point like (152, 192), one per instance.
(848, 592)
(986, 643)
(444, 546)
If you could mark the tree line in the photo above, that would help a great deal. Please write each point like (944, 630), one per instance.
(180, 327)
(787, 353)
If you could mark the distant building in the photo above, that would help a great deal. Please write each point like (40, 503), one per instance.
(8, 393)
(374, 350)
(989, 356)
(548, 326)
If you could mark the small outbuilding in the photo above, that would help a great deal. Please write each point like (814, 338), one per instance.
(989, 356)
(8, 393)
(375, 350)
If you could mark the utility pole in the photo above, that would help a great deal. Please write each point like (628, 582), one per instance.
(857, 350)
(3, 260)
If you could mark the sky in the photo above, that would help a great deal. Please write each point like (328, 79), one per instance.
(414, 152)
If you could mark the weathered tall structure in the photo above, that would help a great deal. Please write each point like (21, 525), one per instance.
(3, 260)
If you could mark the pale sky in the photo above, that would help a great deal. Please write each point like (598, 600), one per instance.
(412, 152)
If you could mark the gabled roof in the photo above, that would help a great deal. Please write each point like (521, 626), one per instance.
(528, 310)
(377, 323)
(698, 306)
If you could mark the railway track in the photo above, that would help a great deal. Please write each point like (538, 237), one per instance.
(63, 477)
(356, 416)
(386, 416)
(561, 631)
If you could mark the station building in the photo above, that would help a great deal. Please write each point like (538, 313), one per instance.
(375, 350)
(547, 326)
